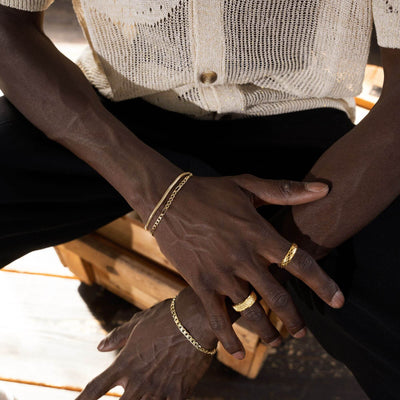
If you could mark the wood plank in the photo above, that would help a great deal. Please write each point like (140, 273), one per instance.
(47, 333)
(79, 267)
(45, 261)
(129, 233)
(23, 392)
(125, 271)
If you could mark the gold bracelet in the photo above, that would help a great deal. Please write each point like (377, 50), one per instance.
(170, 200)
(185, 333)
(170, 187)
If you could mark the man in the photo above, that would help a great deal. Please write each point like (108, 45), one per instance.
(222, 89)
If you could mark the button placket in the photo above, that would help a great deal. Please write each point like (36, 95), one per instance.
(209, 49)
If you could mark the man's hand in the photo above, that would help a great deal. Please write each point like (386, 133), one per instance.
(157, 362)
(221, 245)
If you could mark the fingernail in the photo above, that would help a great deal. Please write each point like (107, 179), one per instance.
(239, 355)
(101, 345)
(300, 334)
(276, 342)
(316, 187)
(337, 299)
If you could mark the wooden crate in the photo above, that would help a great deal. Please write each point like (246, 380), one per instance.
(126, 260)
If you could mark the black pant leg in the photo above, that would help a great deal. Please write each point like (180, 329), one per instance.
(48, 195)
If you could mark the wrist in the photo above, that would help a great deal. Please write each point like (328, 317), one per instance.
(138, 172)
(193, 317)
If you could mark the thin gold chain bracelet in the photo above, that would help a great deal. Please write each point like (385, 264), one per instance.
(169, 202)
(164, 196)
(185, 333)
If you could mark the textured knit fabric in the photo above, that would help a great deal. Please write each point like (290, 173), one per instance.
(266, 57)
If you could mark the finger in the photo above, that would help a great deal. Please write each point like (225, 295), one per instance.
(99, 386)
(221, 324)
(280, 301)
(118, 337)
(256, 316)
(303, 266)
(282, 192)
(133, 392)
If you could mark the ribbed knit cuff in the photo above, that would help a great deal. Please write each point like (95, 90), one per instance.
(27, 5)
(387, 22)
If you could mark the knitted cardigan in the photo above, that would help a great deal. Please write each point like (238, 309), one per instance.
(245, 57)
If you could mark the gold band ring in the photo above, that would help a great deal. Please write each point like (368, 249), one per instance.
(289, 255)
(247, 303)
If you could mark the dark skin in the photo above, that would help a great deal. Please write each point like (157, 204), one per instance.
(95, 135)
(55, 96)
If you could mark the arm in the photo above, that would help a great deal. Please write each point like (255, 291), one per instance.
(362, 169)
(54, 95)
(219, 250)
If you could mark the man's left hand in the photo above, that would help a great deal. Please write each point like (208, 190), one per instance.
(156, 362)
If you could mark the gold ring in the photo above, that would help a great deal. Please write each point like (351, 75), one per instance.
(289, 255)
(245, 304)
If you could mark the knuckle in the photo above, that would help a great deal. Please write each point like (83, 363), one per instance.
(280, 300)
(218, 323)
(285, 188)
(254, 314)
(328, 289)
(305, 263)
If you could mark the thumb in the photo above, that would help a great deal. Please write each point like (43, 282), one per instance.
(117, 338)
(282, 192)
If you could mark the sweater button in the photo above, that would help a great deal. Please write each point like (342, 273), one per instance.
(208, 77)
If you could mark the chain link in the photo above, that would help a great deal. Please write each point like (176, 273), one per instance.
(169, 202)
(185, 333)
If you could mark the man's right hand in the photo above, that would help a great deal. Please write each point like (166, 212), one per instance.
(221, 245)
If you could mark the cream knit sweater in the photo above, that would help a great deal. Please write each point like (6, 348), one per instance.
(245, 57)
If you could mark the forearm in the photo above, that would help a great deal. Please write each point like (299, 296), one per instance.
(363, 170)
(53, 94)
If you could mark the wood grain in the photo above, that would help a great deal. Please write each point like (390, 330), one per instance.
(47, 333)
(129, 233)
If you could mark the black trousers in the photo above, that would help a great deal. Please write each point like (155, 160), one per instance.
(49, 196)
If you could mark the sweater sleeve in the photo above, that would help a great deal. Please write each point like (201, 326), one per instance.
(27, 5)
(387, 22)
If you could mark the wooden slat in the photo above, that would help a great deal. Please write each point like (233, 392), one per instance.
(79, 267)
(26, 392)
(45, 261)
(126, 273)
(129, 233)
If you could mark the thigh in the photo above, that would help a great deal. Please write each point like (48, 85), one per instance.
(48, 195)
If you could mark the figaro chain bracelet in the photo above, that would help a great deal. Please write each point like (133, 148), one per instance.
(185, 333)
